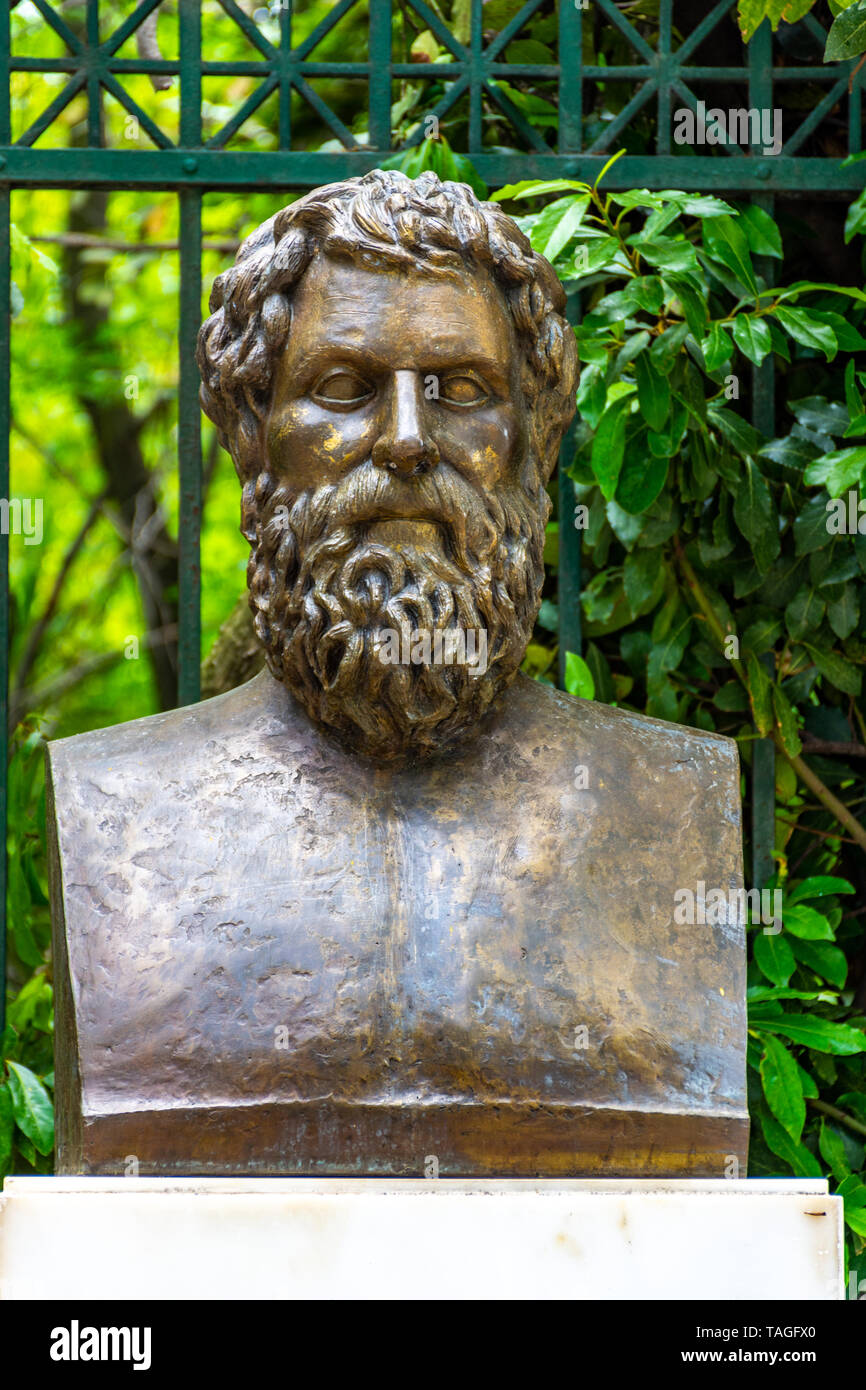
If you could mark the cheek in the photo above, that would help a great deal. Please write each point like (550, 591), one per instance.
(486, 445)
(308, 445)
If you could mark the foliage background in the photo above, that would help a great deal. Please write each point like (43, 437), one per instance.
(696, 527)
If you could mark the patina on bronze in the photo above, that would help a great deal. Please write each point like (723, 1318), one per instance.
(365, 911)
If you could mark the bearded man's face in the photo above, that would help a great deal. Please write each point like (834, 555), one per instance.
(393, 505)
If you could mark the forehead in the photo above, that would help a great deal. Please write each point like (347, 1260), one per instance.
(400, 315)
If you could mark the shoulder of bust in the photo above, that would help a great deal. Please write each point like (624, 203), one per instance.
(174, 737)
(562, 729)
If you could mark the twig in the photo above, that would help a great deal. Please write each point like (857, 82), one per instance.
(823, 745)
(808, 830)
(836, 1114)
(91, 666)
(37, 632)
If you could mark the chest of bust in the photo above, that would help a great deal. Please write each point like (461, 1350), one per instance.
(256, 929)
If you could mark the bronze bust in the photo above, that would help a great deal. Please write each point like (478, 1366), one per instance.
(391, 903)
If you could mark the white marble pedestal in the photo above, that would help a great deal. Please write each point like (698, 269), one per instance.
(289, 1238)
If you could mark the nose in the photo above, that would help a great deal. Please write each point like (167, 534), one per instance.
(404, 445)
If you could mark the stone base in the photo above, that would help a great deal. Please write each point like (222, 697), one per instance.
(287, 1238)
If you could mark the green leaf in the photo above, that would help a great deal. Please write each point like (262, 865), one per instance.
(792, 453)
(642, 579)
(762, 234)
(676, 256)
(838, 470)
(608, 447)
(796, 1155)
(818, 1033)
(667, 653)
(782, 1087)
(809, 286)
(536, 188)
(750, 16)
(556, 226)
(804, 921)
(731, 697)
(664, 350)
(775, 958)
(757, 994)
(797, 9)
(639, 198)
(752, 337)
(786, 723)
(640, 482)
(592, 396)
(605, 256)
(853, 399)
(826, 960)
(760, 695)
(810, 527)
(725, 242)
(856, 1220)
(805, 611)
(578, 677)
(653, 392)
(698, 204)
(631, 348)
(847, 36)
(31, 1106)
(847, 335)
(647, 292)
(738, 432)
(819, 886)
(833, 1151)
(844, 614)
(855, 222)
(818, 414)
(755, 515)
(809, 331)
(716, 347)
(837, 670)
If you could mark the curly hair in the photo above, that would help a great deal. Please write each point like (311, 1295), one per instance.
(382, 218)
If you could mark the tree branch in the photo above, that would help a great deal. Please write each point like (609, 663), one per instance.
(836, 1114)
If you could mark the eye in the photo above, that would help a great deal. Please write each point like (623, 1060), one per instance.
(342, 387)
(462, 390)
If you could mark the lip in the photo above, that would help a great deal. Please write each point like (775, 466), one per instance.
(398, 512)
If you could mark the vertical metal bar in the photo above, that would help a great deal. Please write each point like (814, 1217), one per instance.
(663, 131)
(285, 97)
(570, 78)
(763, 418)
(189, 451)
(5, 364)
(94, 91)
(380, 74)
(189, 20)
(570, 636)
(189, 419)
(476, 77)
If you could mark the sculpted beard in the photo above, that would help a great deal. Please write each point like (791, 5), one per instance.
(323, 591)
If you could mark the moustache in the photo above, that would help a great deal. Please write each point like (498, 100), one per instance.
(472, 520)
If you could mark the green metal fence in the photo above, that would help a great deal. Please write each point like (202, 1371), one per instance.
(663, 78)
